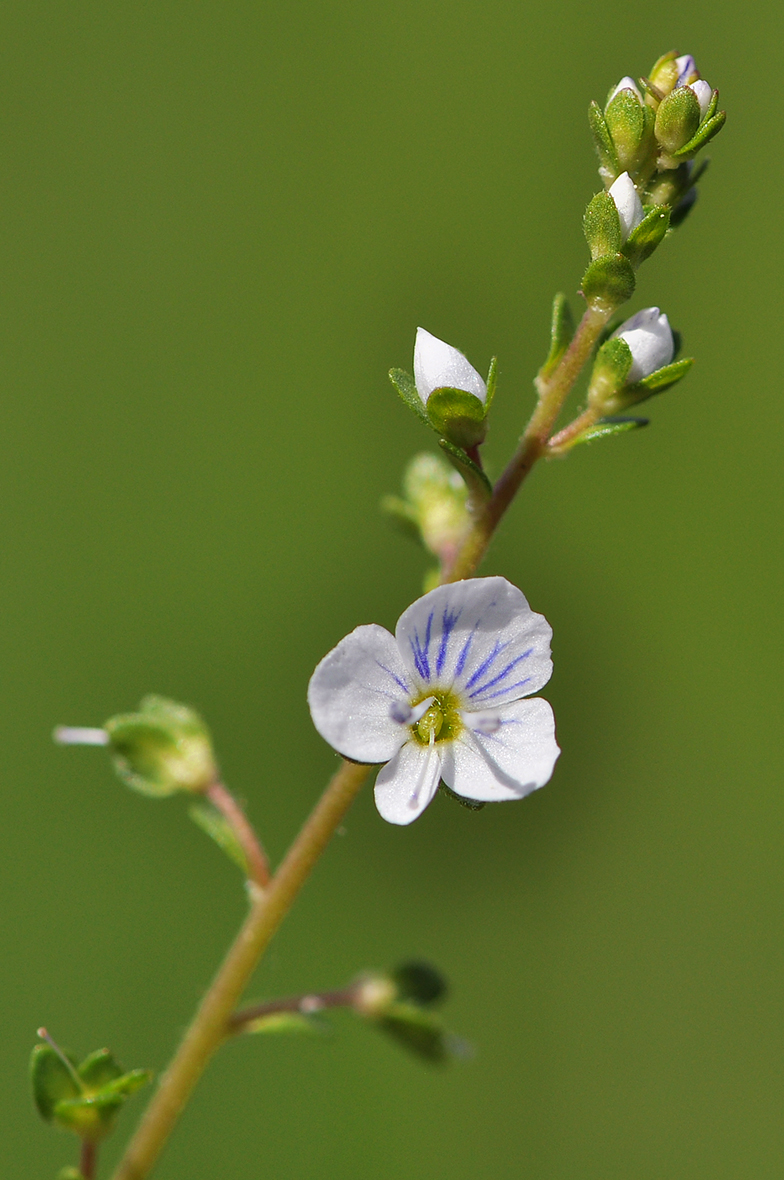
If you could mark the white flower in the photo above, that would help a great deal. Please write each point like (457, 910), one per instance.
(438, 365)
(627, 202)
(704, 95)
(442, 698)
(650, 339)
(626, 83)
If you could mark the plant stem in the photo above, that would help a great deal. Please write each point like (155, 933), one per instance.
(342, 997)
(88, 1160)
(255, 856)
(210, 1024)
(553, 392)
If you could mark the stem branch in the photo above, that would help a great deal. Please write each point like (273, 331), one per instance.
(210, 1024)
(256, 858)
(88, 1160)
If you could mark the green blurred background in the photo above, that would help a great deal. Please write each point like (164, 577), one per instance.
(221, 225)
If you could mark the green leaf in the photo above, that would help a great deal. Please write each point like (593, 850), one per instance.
(458, 416)
(608, 428)
(665, 377)
(561, 333)
(407, 391)
(608, 282)
(126, 1084)
(52, 1080)
(417, 1030)
(285, 1022)
(210, 820)
(645, 237)
(419, 982)
(605, 147)
(602, 226)
(705, 132)
(492, 377)
(479, 486)
(98, 1070)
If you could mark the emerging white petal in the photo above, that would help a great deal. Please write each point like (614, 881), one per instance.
(687, 69)
(627, 202)
(704, 95)
(438, 365)
(408, 783)
(650, 339)
(626, 83)
(354, 692)
(478, 637)
(509, 763)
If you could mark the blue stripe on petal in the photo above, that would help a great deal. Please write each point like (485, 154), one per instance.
(396, 678)
(483, 688)
(448, 623)
(480, 671)
(499, 692)
(420, 653)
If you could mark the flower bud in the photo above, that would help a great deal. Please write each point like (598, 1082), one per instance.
(628, 204)
(163, 748)
(630, 124)
(677, 119)
(671, 71)
(650, 340)
(704, 95)
(438, 365)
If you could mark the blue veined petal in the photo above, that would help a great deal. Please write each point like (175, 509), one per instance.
(408, 783)
(479, 637)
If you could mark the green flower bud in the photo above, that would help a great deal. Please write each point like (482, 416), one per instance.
(630, 122)
(163, 748)
(677, 119)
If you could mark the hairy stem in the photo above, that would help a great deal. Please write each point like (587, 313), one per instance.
(210, 1025)
(255, 856)
(553, 392)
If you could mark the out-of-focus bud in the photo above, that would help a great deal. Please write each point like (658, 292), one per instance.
(399, 1004)
(630, 123)
(163, 748)
(434, 508)
(628, 204)
(650, 340)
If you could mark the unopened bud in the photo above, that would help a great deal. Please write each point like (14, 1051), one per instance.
(163, 748)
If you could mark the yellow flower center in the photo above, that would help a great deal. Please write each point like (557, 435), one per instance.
(441, 722)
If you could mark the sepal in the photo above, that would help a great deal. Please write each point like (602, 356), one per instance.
(645, 237)
(407, 392)
(677, 119)
(605, 148)
(664, 378)
(276, 1023)
(51, 1079)
(457, 416)
(709, 127)
(602, 226)
(162, 749)
(608, 282)
(610, 370)
(630, 124)
(561, 333)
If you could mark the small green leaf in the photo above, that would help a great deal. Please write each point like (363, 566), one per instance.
(492, 377)
(417, 1030)
(561, 333)
(705, 132)
(479, 486)
(126, 1084)
(608, 282)
(407, 391)
(210, 820)
(98, 1070)
(419, 982)
(602, 226)
(605, 147)
(285, 1022)
(646, 236)
(458, 416)
(665, 377)
(51, 1079)
(608, 428)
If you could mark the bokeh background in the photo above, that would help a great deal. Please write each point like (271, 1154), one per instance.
(221, 224)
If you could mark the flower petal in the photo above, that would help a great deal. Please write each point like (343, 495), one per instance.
(508, 764)
(650, 338)
(627, 202)
(479, 637)
(352, 692)
(406, 785)
(437, 365)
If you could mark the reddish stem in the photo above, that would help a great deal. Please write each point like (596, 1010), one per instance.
(227, 805)
(88, 1159)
